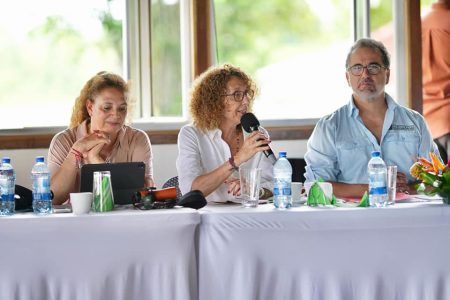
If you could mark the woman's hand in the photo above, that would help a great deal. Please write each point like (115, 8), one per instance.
(91, 145)
(234, 186)
(254, 143)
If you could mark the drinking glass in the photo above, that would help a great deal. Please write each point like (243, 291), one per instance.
(102, 192)
(250, 181)
(391, 184)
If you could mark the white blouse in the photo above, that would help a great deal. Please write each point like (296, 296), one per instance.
(201, 152)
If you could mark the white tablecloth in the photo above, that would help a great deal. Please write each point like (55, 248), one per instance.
(117, 255)
(400, 252)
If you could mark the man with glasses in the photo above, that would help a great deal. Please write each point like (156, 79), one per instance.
(340, 146)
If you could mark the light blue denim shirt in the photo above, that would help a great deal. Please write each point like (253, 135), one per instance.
(340, 146)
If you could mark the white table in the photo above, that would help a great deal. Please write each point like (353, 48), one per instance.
(117, 255)
(399, 252)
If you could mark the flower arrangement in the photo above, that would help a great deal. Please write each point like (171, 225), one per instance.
(434, 177)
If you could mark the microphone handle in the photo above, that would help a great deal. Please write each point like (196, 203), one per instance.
(269, 154)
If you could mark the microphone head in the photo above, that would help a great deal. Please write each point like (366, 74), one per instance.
(249, 121)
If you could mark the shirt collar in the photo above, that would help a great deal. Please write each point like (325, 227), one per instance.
(390, 102)
(351, 108)
(214, 132)
(353, 111)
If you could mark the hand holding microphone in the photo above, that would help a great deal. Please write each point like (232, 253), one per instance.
(251, 124)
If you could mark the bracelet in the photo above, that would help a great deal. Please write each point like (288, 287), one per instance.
(233, 165)
(78, 156)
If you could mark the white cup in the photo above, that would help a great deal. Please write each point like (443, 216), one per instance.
(296, 190)
(81, 202)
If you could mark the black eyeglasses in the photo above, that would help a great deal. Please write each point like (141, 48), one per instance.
(239, 95)
(358, 69)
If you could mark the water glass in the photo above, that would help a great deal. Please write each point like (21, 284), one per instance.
(391, 184)
(250, 179)
(102, 192)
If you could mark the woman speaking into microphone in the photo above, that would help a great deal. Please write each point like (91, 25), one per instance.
(214, 146)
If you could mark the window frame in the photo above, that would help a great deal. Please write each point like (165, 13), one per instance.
(197, 56)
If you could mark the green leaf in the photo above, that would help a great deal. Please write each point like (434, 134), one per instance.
(428, 178)
(364, 201)
(333, 200)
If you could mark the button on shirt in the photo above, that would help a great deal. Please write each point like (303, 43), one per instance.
(202, 152)
(340, 146)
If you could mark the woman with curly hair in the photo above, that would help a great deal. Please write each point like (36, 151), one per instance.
(97, 134)
(211, 149)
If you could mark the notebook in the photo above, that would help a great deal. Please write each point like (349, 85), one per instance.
(126, 178)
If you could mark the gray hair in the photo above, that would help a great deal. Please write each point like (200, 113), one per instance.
(372, 44)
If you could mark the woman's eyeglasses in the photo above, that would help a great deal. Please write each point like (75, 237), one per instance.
(358, 69)
(239, 95)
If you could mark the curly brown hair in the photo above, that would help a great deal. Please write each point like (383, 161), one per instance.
(206, 105)
(91, 89)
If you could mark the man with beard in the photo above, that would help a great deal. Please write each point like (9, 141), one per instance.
(341, 145)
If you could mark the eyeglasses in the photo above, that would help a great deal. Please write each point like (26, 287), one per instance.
(239, 95)
(358, 69)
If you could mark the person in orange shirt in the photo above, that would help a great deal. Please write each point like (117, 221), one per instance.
(436, 74)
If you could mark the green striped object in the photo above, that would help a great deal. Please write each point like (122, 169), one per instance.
(103, 198)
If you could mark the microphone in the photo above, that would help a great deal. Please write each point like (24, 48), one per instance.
(250, 123)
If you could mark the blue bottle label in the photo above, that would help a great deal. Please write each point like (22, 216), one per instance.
(41, 196)
(7, 197)
(378, 190)
(284, 191)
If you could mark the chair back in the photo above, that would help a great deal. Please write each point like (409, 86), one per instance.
(23, 197)
(298, 169)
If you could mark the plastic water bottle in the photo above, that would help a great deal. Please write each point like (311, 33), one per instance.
(7, 187)
(40, 176)
(377, 180)
(282, 172)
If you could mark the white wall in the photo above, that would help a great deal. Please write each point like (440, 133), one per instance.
(163, 161)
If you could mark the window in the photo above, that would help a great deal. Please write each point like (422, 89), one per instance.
(297, 59)
(166, 59)
(382, 29)
(48, 51)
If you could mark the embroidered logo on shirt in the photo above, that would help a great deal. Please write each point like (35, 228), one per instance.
(402, 127)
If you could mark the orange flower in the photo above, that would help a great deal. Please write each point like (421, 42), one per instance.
(416, 169)
(427, 166)
(437, 164)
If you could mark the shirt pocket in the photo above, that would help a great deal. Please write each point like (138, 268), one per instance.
(401, 137)
(353, 156)
(402, 143)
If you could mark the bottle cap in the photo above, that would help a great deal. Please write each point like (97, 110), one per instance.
(376, 153)
(39, 159)
(282, 154)
(6, 160)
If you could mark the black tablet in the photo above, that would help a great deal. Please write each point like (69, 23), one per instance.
(126, 178)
